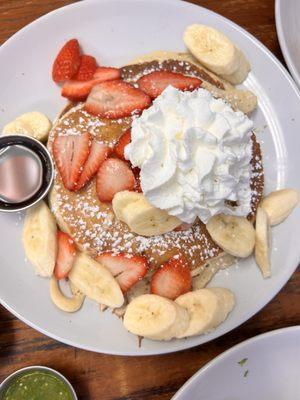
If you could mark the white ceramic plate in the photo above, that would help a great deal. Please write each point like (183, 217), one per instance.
(288, 29)
(115, 31)
(272, 362)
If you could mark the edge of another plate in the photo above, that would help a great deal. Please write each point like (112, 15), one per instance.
(225, 354)
(283, 43)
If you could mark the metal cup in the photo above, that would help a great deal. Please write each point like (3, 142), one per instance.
(15, 180)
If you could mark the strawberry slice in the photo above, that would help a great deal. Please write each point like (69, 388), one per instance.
(98, 154)
(70, 154)
(113, 176)
(155, 83)
(67, 62)
(107, 73)
(116, 99)
(172, 279)
(78, 90)
(124, 140)
(127, 269)
(87, 68)
(65, 255)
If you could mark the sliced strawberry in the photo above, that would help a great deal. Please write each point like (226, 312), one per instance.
(116, 99)
(113, 176)
(183, 227)
(124, 140)
(155, 83)
(87, 68)
(65, 255)
(78, 90)
(98, 154)
(172, 279)
(67, 62)
(127, 269)
(107, 73)
(70, 154)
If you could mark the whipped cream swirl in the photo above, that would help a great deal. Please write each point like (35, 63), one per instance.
(194, 153)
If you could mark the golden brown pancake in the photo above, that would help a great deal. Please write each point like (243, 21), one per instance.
(93, 225)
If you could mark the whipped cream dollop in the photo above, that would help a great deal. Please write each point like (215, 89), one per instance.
(194, 152)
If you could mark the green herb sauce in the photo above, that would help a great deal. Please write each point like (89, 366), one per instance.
(36, 386)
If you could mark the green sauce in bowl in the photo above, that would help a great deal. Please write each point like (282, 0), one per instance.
(38, 385)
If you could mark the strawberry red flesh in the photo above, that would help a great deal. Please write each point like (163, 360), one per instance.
(65, 255)
(127, 269)
(70, 154)
(113, 176)
(87, 68)
(67, 62)
(79, 90)
(156, 82)
(107, 73)
(124, 140)
(98, 154)
(116, 99)
(172, 279)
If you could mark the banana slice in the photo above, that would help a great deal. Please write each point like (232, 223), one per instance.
(39, 239)
(279, 204)
(155, 317)
(262, 242)
(235, 235)
(68, 304)
(207, 309)
(141, 217)
(213, 49)
(95, 281)
(34, 124)
(123, 199)
(241, 73)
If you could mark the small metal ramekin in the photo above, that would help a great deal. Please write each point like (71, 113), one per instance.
(5, 384)
(47, 174)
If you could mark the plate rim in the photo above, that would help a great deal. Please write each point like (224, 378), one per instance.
(212, 363)
(283, 43)
(184, 344)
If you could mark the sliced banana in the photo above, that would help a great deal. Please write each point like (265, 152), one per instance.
(235, 235)
(68, 304)
(279, 204)
(207, 309)
(262, 242)
(95, 281)
(141, 217)
(213, 49)
(243, 100)
(123, 199)
(34, 124)
(241, 73)
(155, 317)
(39, 239)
